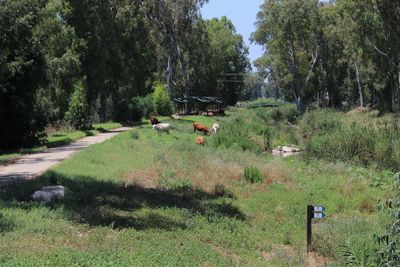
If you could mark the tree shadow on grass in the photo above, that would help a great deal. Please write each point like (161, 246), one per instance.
(105, 203)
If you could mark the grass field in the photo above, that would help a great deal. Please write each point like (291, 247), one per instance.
(57, 138)
(150, 199)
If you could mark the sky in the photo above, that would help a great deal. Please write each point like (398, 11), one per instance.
(242, 13)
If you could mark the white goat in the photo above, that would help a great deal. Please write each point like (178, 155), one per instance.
(215, 127)
(162, 127)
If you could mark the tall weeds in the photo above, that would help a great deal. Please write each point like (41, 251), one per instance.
(336, 136)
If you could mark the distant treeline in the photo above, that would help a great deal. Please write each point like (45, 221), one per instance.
(342, 54)
(81, 61)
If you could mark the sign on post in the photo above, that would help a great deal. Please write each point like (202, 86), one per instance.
(319, 208)
(319, 216)
(313, 212)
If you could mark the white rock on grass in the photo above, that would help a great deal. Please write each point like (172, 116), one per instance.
(285, 151)
(49, 193)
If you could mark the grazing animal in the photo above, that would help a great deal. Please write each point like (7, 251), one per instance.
(199, 127)
(154, 121)
(215, 127)
(162, 127)
(200, 140)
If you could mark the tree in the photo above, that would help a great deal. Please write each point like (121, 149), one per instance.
(288, 29)
(78, 114)
(63, 65)
(173, 22)
(22, 71)
(228, 60)
(254, 87)
(161, 101)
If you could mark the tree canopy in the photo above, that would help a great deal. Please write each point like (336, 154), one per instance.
(82, 61)
(344, 53)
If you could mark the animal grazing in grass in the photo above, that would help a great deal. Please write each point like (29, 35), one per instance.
(215, 127)
(199, 127)
(200, 140)
(162, 127)
(154, 121)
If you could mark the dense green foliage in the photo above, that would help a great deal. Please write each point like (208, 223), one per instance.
(22, 72)
(363, 138)
(117, 50)
(389, 253)
(78, 114)
(252, 175)
(337, 55)
(161, 101)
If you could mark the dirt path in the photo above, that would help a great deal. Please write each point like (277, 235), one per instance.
(30, 166)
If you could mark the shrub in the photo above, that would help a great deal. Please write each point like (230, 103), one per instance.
(134, 135)
(252, 175)
(335, 136)
(356, 144)
(146, 105)
(175, 184)
(161, 101)
(135, 109)
(78, 114)
(285, 113)
(389, 242)
(276, 114)
(265, 102)
(267, 139)
(319, 122)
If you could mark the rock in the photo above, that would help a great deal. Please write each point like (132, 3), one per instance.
(49, 193)
(285, 151)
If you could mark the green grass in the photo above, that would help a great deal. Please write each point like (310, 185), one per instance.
(62, 138)
(56, 139)
(150, 199)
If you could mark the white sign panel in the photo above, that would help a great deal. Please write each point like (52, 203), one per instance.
(319, 215)
(319, 208)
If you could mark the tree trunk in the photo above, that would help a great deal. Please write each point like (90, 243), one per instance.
(170, 73)
(295, 84)
(184, 71)
(396, 109)
(393, 94)
(360, 91)
(299, 103)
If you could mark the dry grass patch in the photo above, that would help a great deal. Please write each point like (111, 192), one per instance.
(351, 187)
(146, 178)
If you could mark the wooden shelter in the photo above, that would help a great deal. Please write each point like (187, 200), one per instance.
(206, 105)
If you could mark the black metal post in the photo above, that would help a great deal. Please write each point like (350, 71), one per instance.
(310, 211)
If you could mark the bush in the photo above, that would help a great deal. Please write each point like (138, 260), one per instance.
(235, 135)
(254, 130)
(265, 102)
(161, 101)
(319, 122)
(335, 136)
(285, 113)
(135, 109)
(252, 175)
(267, 140)
(145, 103)
(78, 114)
(389, 242)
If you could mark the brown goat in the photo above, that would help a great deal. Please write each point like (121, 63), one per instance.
(200, 140)
(154, 121)
(199, 127)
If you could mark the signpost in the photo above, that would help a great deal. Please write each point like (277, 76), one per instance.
(313, 212)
